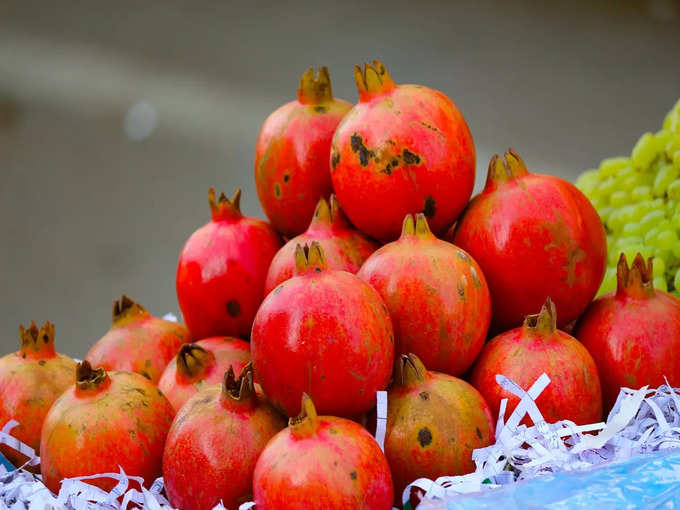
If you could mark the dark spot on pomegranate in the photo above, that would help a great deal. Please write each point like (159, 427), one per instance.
(463, 256)
(410, 158)
(333, 431)
(358, 147)
(139, 390)
(286, 177)
(42, 362)
(424, 437)
(278, 289)
(277, 190)
(160, 393)
(479, 432)
(335, 159)
(320, 109)
(353, 475)
(461, 291)
(46, 338)
(424, 395)
(233, 308)
(388, 169)
(146, 374)
(132, 433)
(430, 207)
(23, 355)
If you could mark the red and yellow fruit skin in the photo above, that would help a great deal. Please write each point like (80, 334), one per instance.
(434, 421)
(326, 333)
(534, 236)
(214, 443)
(137, 341)
(403, 149)
(31, 379)
(345, 248)
(104, 421)
(324, 463)
(292, 154)
(202, 364)
(436, 294)
(222, 269)
(523, 354)
(633, 333)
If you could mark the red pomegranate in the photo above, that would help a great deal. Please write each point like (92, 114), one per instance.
(31, 379)
(222, 268)
(436, 294)
(634, 333)
(533, 235)
(137, 341)
(292, 153)
(538, 347)
(322, 462)
(344, 247)
(434, 421)
(202, 364)
(214, 443)
(104, 421)
(402, 149)
(326, 333)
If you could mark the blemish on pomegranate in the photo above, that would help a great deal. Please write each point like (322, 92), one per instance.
(461, 291)
(424, 395)
(42, 362)
(233, 308)
(358, 147)
(320, 109)
(430, 207)
(335, 159)
(146, 374)
(277, 190)
(205, 400)
(410, 158)
(286, 177)
(353, 475)
(333, 431)
(475, 278)
(479, 432)
(424, 437)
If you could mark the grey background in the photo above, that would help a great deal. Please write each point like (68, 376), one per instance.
(86, 213)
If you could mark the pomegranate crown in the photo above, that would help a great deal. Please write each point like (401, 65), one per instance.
(88, 378)
(417, 227)
(543, 322)
(309, 258)
(509, 168)
(328, 214)
(638, 281)
(306, 423)
(372, 81)
(409, 370)
(240, 389)
(37, 343)
(222, 208)
(125, 309)
(193, 360)
(315, 89)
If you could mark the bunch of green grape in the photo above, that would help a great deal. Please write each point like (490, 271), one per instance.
(638, 199)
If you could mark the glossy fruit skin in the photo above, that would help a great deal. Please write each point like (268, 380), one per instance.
(345, 248)
(193, 370)
(213, 445)
(534, 236)
(328, 464)
(403, 149)
(436, 294)
(434, 422)
(292, 154)
(633, 334)
(222, 269)
(326, 333)
(138, 342)
(31, 379)
(104, 421)
(523, 354)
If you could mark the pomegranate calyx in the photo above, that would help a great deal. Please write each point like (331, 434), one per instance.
(544, 322)
(126, 310)
(306, 423)
(241, 389)
(309, 258)
(636, 282)
(328, 214)
(372, 81)
(37, 343)
(409, 370)
(509, 168)
(315, 90)
(224, 209)
(88, 378)
(417, 226)
(193, 360)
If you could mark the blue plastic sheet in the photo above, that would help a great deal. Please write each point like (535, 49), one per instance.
(644, 481)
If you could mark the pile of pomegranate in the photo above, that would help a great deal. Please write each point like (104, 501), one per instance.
(375, 272)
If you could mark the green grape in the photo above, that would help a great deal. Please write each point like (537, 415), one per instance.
(674, 190)
(629, 182)
(666, 175)
(642, 209)
(676, 280)
(676, 159)
(615, 221)
(657, 203)
(604, 213)
(627, 213)
(619, 199)
(673, 146)
(631, 229)
(641, 193)
(588, 180)
(662, 137)
(651, 219)
(651, 235)
(660, 283)
(670, 208)
(644, 151)
(632, 250)
(622, 242)
(609, 282)
(606, 187)
(658, 266)
(610, 166)
(666, 239)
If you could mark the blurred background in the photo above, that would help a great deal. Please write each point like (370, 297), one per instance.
(116, 117)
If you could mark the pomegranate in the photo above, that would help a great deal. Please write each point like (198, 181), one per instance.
(533, 235)
(292, 153)
(436, 295)
(214, 442)
(326, 333)
(345, 248)
(202, 364)
(538, 347)
(402, 149)
(222, 268)
(322, 462)
(633, 333)
(434, 421)
(104, 421)
(137, 341)
(31, 379)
